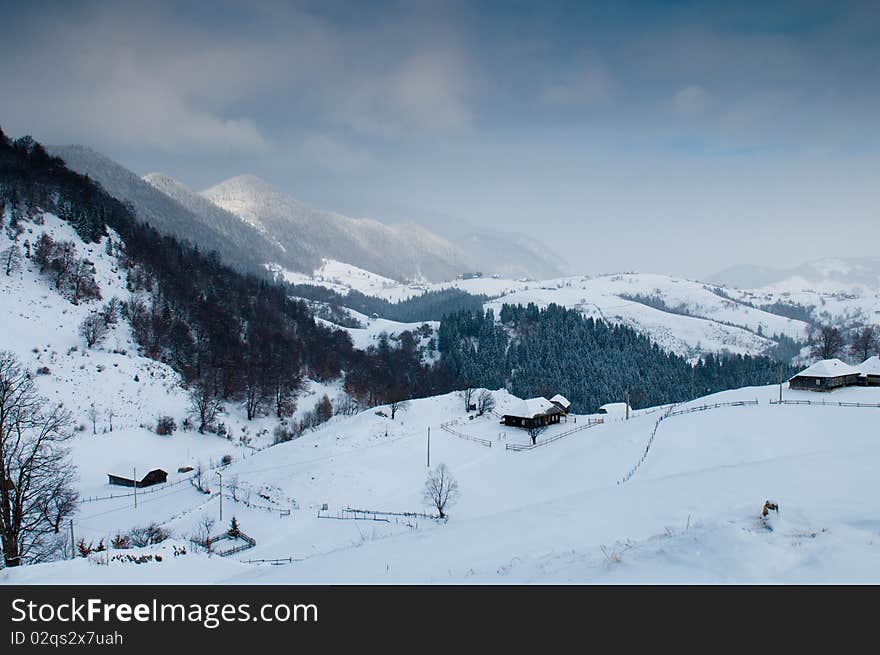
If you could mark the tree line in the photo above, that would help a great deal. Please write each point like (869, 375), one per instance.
(532, 351)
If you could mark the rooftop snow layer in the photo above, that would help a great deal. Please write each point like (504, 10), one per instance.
(829, 368)
(562, 400)
(870, 366)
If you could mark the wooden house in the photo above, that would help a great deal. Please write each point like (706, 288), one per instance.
(533, 413)
(826, 375)
(562, 403)
(156, 476)
(870, 372)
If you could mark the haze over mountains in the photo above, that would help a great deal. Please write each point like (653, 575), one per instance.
(835, 271)
(250, 224)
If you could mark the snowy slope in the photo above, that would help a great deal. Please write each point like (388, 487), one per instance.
(129, 391)
(553, 514)
(702, 321)
(404, 251)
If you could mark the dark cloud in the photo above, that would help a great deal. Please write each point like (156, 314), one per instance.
(652, 127)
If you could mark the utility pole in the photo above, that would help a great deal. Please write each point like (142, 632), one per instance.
(429, 446)
(134, 476)
(627, 403)
(221, 495)
(780, 384)
(72, 542)
(693, 382)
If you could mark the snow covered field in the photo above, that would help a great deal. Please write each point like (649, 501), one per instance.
(557, 513)
(553, 514)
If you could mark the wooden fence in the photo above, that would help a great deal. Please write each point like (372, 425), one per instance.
(823, 402)
(249, 542)
(670, 412)
(461, 435)
(591, 423)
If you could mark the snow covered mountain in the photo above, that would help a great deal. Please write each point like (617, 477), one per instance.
(405, 251)
(172, 210)
(684, 316)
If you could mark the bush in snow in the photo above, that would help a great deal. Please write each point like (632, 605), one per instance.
(165, 425)
(226, 460)
(148, 535)
(121, 541)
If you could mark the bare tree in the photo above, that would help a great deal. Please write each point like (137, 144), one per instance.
(441, 489)
(827, 341)
(202, 535)
(398, 406)
(535, 431)
(93, 417)
(34, 465)
(62, 499)
(10, 259)
(204, 404)
(865, 342)
(467, 395)
(234, 487)
(92, 329)
(485, 402)
(110, 414)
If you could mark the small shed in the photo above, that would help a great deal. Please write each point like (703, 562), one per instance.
(561, 402)
(826, 375)
(870, 372)
(155, 476)
(615, 409)
(533, 413)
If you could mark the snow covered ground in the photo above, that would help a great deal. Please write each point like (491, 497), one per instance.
(553, 514)
(557, 513)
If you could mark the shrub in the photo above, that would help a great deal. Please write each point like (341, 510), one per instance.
(165, 425)
(148, 535)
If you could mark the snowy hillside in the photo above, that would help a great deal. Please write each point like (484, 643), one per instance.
(557, 513)
(171, 210)
(691, 320)
(404, 251)
(128, 392)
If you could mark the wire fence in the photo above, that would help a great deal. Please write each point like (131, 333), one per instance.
(141, 491)
(591, 423)
(409, 519)
(826, 403)
(461, 435)
(670, 412)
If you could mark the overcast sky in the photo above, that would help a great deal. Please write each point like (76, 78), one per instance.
(674, 137)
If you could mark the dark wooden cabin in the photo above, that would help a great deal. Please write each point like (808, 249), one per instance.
(826, 375)
(533, 413)
(870, 372)
(156, 476)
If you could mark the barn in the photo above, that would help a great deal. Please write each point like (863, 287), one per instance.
(155, 476)
(870, 372)
(533, 413)
(562, 403)
(826, 375)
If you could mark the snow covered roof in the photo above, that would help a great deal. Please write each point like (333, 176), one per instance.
(613, 408)
(828, 368)
(532, 407)
(562, 400)
(870, 366)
